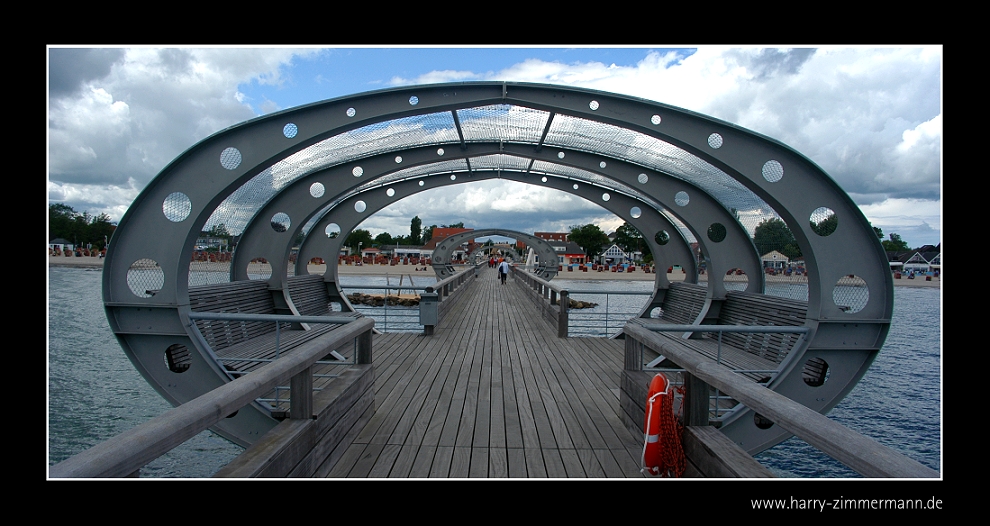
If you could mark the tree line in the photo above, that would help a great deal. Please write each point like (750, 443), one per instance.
(81, 229)
(771, 234)
(418, 236)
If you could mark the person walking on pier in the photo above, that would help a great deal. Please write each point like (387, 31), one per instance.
(503, 270)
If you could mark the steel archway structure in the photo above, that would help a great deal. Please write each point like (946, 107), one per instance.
(289, 178)
(546, 268)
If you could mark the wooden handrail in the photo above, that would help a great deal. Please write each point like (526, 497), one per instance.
(456, 278)
(553, 294)
(125, 454)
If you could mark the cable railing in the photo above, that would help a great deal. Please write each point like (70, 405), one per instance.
(605, 318)
(721, 404)
(403, 319)
(433, 300)
(860, 453)
(598, 321)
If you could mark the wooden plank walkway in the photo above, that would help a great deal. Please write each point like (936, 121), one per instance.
(494, 394)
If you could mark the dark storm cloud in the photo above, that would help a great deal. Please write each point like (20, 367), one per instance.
(771, 62)
(70, 68)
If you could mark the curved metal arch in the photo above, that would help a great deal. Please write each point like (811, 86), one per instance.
(297, 201)
(736, 251)
(155, 237)
(346, 220)
(701, 212)
(489, 248)
(546, 269)
(618, 204)
(458, 96)
(674, 253)
(744, 156)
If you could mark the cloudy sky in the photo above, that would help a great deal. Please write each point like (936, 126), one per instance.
(869, 116)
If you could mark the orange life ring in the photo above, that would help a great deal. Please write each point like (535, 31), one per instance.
(662, 451)
(652, 449)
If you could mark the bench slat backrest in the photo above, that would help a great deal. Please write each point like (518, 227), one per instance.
(683, 303)
(309, 294)
(245, 297)
(747, 308)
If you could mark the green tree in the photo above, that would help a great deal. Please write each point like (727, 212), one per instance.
(60, 221)
(416, 231)
(895, 244)
(219, 230)
(629, 239)
(773, 234)
(80, 228)
(100, 230)
(384, 239)
(826, 226)
(359, 236)
(428, 233)
(590, 238)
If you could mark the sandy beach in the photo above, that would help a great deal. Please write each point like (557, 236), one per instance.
(396, 270)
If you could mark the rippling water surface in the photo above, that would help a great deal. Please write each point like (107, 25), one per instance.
(898, 401)
(94, 392)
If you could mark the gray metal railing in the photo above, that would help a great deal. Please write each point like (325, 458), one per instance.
(556, 307)
(408, 318)
(431, 308)
(434, 302)
(125, 454)
(589, 323)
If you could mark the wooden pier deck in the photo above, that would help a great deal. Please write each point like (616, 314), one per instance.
(494, 394)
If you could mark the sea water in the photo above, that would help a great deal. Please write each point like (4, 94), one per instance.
(95, 393)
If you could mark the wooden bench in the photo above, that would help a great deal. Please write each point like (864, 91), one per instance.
(758, 353)
(239, 344)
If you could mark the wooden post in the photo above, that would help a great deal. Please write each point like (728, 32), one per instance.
(362, 351)
(562, 316)
(301, 392)
(695, 404)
